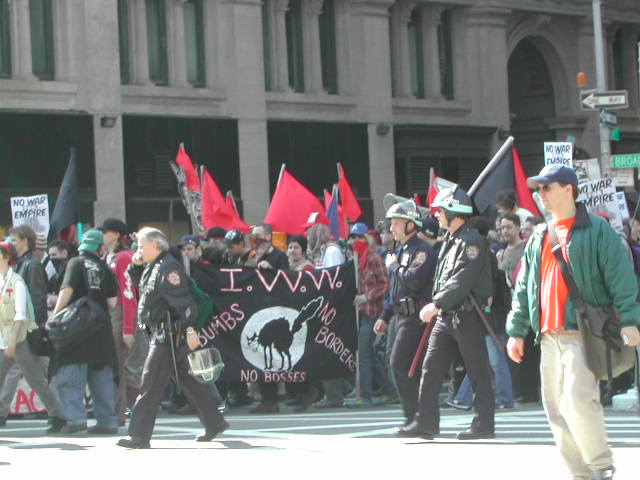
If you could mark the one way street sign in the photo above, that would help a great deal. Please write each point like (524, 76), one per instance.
(617, 99)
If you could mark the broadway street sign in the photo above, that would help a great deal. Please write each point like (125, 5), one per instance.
(625, 161)
(617, 99)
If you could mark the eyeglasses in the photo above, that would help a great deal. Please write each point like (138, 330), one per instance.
(543, 188)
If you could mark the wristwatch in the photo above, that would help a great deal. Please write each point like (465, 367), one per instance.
(190, 330)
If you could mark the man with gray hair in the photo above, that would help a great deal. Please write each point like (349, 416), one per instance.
(169, 313)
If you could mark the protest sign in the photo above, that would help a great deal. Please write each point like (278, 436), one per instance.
(587, 170)
(558, 153)
(281, 326)
(622, 204)
(32, 211)
(600, 196)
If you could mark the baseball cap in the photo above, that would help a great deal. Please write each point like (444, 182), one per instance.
(359, 229)
(92, 240)
(113, 225)
(216, 232)
(554, 173)
(189, 239)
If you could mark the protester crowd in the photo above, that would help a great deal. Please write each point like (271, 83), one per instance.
(409, 270)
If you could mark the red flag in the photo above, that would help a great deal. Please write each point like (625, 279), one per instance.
(184, 160)
(291, 206)
(525, 197)
(237, 222)
(215, 211)
(416, 200)
(350, 204)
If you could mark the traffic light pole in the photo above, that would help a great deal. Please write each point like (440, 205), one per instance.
(605, 146)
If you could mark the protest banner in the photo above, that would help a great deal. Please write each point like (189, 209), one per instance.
(558, 153)
(600, 196)
(281, 326)
(32, 211)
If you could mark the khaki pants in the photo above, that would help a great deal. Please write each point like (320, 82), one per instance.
(571, 399)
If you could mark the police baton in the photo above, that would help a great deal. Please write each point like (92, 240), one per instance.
(173, 354)
(484, 319)
(421, 347)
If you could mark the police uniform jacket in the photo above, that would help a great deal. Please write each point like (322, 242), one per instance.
(464, 267)
(412, 274)
(164, 289)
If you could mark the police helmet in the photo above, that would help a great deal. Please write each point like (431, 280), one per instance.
(406, 210)
(453, 199)
(205, 365)
(359, 229)
(233, 236)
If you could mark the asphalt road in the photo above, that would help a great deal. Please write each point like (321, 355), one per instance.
(329, 444)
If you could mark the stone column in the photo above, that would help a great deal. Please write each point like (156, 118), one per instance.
(312, 55)
(400, 17)
(252, 123)
(139, 46)
(277, 10)
(431, 21)
(371, 73)
(22, 66)
(101, 92)
(487, 42)
(177, 44)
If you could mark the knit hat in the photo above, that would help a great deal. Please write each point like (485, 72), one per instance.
(41, 241)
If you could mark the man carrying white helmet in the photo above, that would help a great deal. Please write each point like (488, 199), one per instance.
(411, 275)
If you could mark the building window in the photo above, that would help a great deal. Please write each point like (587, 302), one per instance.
(5, 39)
(157, 41)
(445, 54)
(194, 32)
(123, 41)
(327, 20)
(41, 18)
(416, 53)
(295, 47)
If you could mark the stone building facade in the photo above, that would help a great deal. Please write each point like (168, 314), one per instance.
(388, 88)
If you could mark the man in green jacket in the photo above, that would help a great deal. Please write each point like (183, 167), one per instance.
(604, 276)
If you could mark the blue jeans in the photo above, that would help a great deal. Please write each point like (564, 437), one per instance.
(371, 365)
(72, 384)
(503, 385)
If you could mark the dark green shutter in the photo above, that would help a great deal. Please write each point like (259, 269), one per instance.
(266, 45)
(40, 16)
(5, 39)
(123, 41)
(445, 50)
(157, 41)
(194, 36)
(295, 51)
(327, 24)
(416, 53)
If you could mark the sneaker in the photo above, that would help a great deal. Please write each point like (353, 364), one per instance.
(326, 403)
(605, 473)
(502, 406)
(457, 405)
(98, 430)
(56, 424)
(73, 428)
(358, 402)
(383, 400)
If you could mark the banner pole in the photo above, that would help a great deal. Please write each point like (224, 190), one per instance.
(496, 158)
(357, 280)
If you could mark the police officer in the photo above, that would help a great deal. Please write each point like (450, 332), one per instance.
(411, 273)
(462, 280)
(169, 312)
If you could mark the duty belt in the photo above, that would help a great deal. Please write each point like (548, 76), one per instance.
(409, 305)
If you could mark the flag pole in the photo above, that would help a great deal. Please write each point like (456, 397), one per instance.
(357, 272)
(284, 165)
(496, 158)
(338, 166)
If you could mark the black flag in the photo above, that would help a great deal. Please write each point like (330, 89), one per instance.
(66, 211)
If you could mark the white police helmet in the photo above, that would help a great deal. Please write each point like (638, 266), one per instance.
(205, 365)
